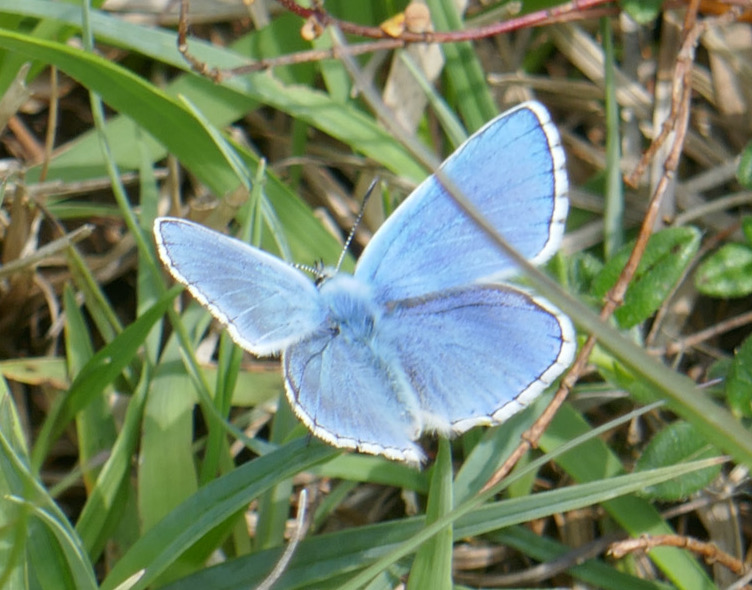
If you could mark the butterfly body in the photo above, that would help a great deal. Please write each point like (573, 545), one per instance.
(351, 310)
(422, 337)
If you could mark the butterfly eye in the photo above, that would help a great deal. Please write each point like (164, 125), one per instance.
(322, 273)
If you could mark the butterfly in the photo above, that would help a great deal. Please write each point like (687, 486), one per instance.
(424, 336)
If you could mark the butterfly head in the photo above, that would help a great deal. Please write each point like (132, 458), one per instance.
(320, 272)
(323, 273)
(351, 307)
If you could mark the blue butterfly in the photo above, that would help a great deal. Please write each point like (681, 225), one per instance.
(422, 337)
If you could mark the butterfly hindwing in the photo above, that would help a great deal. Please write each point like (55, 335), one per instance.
(513, 172)
(264, 303)
(445, 362)
(476, 355)
(350, 395)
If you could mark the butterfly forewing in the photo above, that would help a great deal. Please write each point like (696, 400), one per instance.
(265, 303)
(513, 172)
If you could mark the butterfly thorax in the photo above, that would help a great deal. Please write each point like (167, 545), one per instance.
(352, 311)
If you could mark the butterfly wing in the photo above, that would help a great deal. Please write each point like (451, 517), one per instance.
(264, 303)
(476, 355)
(352, 397)
(447, 362)
(513, 171)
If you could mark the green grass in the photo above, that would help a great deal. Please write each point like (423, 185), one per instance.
(136, 457)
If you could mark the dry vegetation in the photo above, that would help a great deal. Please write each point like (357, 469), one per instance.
(114, 434)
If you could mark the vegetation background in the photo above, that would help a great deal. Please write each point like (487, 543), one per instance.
(140, 448)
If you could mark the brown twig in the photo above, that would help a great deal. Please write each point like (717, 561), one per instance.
(682, 87)
(708, 551)
(543, 571)
(708, 333)
(538, 17)
(575, 10)
(197, 66)
(679, 121)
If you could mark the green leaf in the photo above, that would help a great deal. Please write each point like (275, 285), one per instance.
(13, 522)
(163, 116)
(747, 228)
(37, 543)
(667, 255)
(95, 425)
(335, 560)
(594, 461)
(726, 273)
(108, 504)
(465, 76)
(165, 457)
(432, 567)
(103, 368)
(344, 122)
(642, 11)
(678, 443)
(593, 573)
(739, 384)
(216, 502)
(584, 268)
(613, 213)
(55, 555)
(744, 172)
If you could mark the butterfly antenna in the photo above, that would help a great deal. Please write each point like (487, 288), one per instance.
(318, 271)
(311, 269)
(355, 225)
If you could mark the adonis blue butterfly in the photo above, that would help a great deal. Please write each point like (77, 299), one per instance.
(423, 337)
